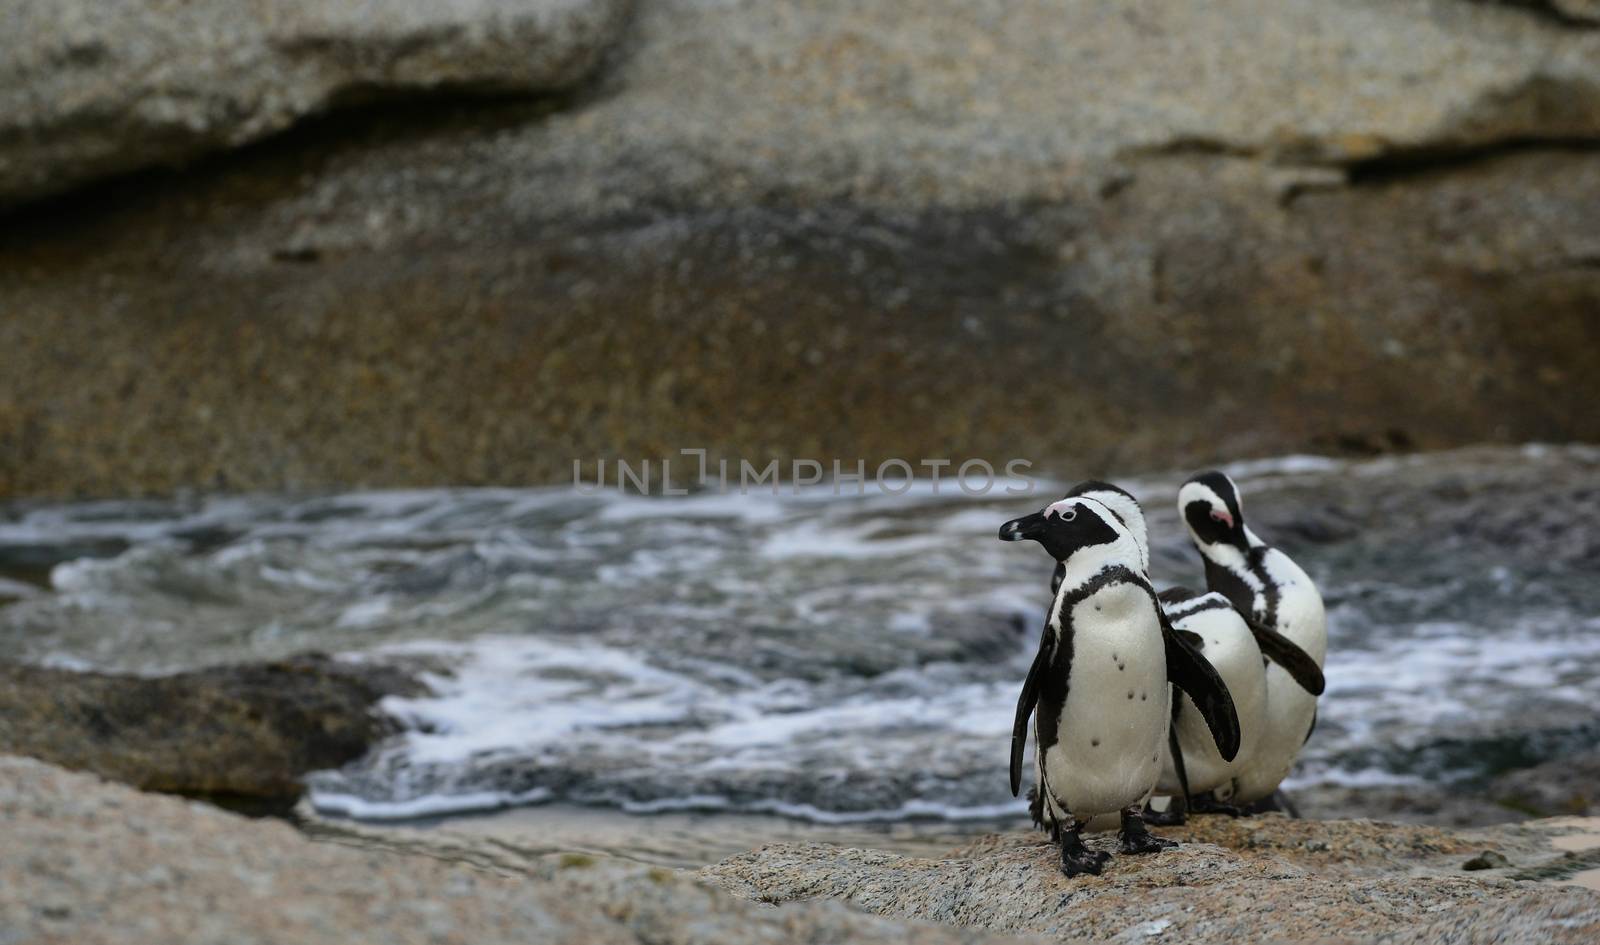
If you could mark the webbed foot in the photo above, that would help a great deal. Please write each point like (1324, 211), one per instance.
(1136, 839)
(1174, 816)
(1208, 804)
(1077, 859)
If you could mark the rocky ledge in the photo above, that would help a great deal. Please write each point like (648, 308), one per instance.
(87, 861)
(1090, 237)
(242, 735)
(89, 89)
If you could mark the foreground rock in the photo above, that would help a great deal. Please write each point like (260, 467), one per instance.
(91, 89)
(1265, 879)
(1187, 231)
(242, 734)
(88, 862)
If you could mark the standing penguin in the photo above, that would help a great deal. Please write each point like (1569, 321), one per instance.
(1193, 774)
(1284, 611)
(1191, 767)
(1097, 688)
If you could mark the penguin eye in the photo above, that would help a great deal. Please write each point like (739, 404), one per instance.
(1217, 516)
(1067, 515)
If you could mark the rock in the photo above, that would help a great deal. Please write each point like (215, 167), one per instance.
(1186, 232)
(90, 862)
(240, 734)
(1236, 880)
(88, 90)
(1487, 860)
(1564, 786)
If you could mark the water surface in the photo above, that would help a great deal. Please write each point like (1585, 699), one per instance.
(835, 659)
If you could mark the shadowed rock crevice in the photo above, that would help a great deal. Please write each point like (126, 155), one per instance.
(1569, 14)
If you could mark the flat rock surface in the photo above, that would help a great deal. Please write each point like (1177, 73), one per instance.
(89, 862)
(1230, 881)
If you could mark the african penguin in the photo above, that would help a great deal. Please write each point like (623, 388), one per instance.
(1191, 768)
(1193, 774)
(1097, 689)
(1284, 612)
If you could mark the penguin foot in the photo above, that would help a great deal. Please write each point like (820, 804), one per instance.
(1136, 839)
(1174, 816)
(1166, 818)
(1206, 804)
(1077, 859)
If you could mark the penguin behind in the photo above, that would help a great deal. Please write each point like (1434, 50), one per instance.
(1193, 774)
(1097, 689)
(1285, 613)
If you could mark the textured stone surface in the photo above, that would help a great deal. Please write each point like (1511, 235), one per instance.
(87, 862)
(1251, 880)
(90, 89)
(1088, 237)
(243, 733)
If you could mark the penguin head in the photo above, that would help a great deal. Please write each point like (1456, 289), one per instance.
(1121, 504)
(1066, 527)
(1209, 503)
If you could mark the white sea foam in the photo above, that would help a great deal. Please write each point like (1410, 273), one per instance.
(832, 658)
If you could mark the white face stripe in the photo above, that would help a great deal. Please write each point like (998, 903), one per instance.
(1087, 562)
(1127, 509)
(1222, 553)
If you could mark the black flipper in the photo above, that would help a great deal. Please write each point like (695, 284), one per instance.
(1295, 661)
(1311, 729)
(1190, 671)
(1025, 704)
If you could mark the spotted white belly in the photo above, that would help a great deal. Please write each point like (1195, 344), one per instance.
(1114, 722)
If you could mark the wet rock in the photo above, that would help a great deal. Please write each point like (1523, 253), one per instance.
(1565, 786)
(90, 862)
(90, 89)
(1487, 860)
(775, 231)
(241, 734)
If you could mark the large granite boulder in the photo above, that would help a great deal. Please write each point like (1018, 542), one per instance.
(1092, 236)
(91, 89)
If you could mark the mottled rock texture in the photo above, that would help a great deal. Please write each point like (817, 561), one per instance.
(90, 862)
(1266, 879)
(241, 734)
(97, 88)
(1087, 235)
(87, 862)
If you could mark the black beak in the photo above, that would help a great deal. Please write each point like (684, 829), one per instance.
(1026, 527)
